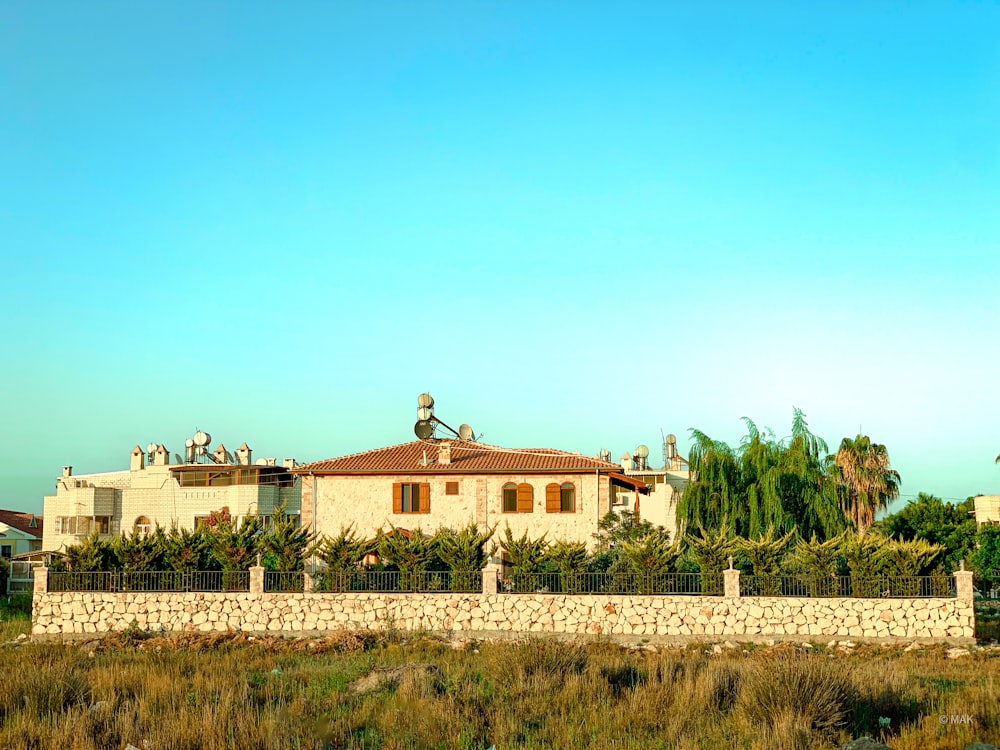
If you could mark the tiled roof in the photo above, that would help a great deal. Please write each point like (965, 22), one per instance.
(22, 522)
(467, 457)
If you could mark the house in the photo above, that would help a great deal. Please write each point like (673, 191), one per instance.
(433, 483)
(154, 491)
(20, 533)
(987, 509)
(666, 485)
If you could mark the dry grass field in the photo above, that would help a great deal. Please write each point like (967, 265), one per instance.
(395, 692)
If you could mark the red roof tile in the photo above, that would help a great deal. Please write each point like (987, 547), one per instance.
(467, 457)
(22, 522)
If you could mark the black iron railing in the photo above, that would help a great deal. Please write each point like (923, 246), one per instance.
(159, 580)
(848, 586)
(693, 584)
(390, 581)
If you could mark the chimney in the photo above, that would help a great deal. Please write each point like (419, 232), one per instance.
(444, 452)
(288, 463)
(243, 455)
(626, 461)
(138, 461)
(219, 454)
(67, 471)
(161, 457)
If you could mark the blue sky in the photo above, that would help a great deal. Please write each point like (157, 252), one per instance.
(574, 224)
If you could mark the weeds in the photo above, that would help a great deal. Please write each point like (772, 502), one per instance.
(229, 690)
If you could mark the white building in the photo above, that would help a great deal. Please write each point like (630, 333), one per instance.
(155, 491)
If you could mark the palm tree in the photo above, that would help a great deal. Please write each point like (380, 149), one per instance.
(865, 479)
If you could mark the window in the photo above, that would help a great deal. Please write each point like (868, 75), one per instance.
(6, 551)
(83, 525)
(510, 498)
(560, 498)
(451, 488)
(411, 497)
(143, 525)
(518, 498)
(567, 498)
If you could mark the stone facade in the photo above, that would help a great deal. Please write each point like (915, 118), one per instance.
(366, 502)
(658, 618)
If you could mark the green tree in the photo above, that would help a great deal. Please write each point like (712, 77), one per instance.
(765, 555)
(937, 522)
(526, 557)
(651, 558)
(187, 550)
(710, 552)
(285, 544)
(819, 562)
(341, 556)
(411, 552)
(464, 552)
(235, 546)
(570, 559)
(764, 483)
(139, 551)
(866, 481)
(91, 554)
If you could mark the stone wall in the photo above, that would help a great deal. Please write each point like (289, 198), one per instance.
(657, 618)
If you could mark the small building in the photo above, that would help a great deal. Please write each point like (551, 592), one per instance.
(20, 533)
(434, 483)
(987, 509)
(155, 491)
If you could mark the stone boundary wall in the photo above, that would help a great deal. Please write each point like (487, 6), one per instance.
(658, 618)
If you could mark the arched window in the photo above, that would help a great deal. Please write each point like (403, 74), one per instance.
(518, 498)
(560, 498)
(143, 525)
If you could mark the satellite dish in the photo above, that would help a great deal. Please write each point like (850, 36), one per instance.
(177, 458)
(605, 454)
(151, 448)
(465, 432)
(641, 451)
(261, 462)
(423, 413)
(423, 429)
(202, 438)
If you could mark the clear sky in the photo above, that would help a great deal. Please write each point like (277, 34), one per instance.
(575, 224)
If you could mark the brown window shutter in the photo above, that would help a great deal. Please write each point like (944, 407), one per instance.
(425, 497)
(397, 497)
(553, 503)
(525, 498)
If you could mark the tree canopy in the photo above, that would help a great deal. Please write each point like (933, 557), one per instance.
(763, 484)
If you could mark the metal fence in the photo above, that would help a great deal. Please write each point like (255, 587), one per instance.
(284, 582)
(159, 580)
(848, 586)
(693, 584)
(390, 581)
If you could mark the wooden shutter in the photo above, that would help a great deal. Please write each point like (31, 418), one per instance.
(451, 488)
(525, 498)
(397, 497)
(553, 500)
(425, 497)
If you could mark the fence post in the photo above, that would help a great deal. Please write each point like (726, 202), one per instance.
(307, 582)
(963, 583)
(490, 578)
(731, 581)
(41, 580)
(257, 579)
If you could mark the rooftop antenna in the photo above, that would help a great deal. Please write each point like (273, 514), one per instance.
(605, 454)
(427, 423)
